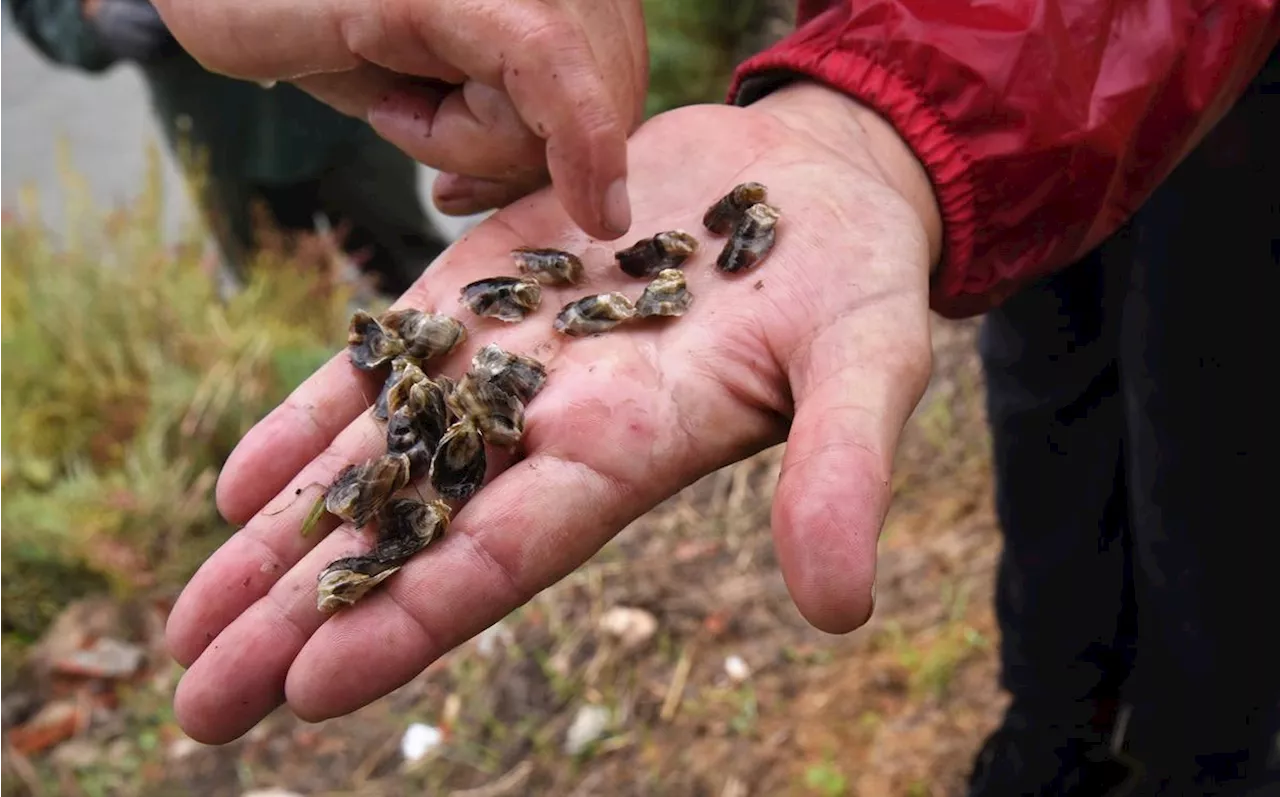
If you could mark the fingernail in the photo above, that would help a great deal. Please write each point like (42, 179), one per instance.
(402, 114)
(617, 207)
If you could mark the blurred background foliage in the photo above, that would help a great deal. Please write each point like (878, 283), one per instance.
(127, 381)
(694, 45)
(127, 378)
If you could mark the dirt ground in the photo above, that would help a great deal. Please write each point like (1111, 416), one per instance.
(727, 693)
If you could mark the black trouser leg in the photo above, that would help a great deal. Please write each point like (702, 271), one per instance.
(1134, 439)
(1197, 345)
(1057, 422)
(1057, 419)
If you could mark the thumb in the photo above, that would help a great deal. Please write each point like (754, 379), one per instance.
(855, 385)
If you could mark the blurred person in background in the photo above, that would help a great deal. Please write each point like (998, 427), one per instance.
(248, 147)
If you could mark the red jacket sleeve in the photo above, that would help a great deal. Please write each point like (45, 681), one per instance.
(1043, 125)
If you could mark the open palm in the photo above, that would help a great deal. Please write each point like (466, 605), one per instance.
(831, 330)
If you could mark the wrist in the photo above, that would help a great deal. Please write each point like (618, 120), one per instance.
(859, 134)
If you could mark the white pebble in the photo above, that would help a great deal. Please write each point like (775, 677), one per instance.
(418, 740)
(736, 669)
(588, 725)
(632, 627)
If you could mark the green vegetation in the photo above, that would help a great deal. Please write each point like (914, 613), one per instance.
(127, 381)
(694, 47)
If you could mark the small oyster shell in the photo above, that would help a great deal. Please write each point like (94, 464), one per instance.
(359, 491)
(651, 255)
(447, 385)
(549, 266)
(370, 344)
(410, 432)
(752, 239)
(518, 374)
(497, 413)
(406, 526)
(593, 314)
(406, 402)
(398, 365)
(667, 295)
(728, 210)
(426, 335)
(402, 430)
(345, 581)
(399, 394)
(457, 469)
(507, 299)
(419, 417)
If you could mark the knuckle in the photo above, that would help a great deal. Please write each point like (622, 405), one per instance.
(546, 32)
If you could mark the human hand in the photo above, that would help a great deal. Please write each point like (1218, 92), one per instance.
(514, 91)
(831, 328)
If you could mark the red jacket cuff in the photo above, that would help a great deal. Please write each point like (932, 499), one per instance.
(957, 290)
(1043, 127)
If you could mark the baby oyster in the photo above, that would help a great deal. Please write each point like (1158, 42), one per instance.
(406, 526)
(518, 374)
(358, 491)
(507, 299)
(419, 418)
(549, 266)
(667, 295)
(447, 385)
(498, 414)
(425, 335)
(398, 365)
(345, 581)
(728, 210)
(398, 395)
(458, 466)
(369, 343)
(752, 239)
(664, 250)
(592, 314)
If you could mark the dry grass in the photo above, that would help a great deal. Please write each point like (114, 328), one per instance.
(126, 382)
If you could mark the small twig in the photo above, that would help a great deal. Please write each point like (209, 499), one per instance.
(615, 743)
(506, 784)
(675, 691)
(362, 773)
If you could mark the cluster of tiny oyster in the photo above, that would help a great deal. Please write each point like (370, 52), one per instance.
(438, 427)
(435, 427)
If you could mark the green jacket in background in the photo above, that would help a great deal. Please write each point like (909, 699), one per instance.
(270, 136)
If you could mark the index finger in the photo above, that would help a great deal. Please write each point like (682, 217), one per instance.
(243, 38)
(538, 55)
(543, 60)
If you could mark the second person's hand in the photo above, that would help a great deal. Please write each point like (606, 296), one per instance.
(498, 95)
